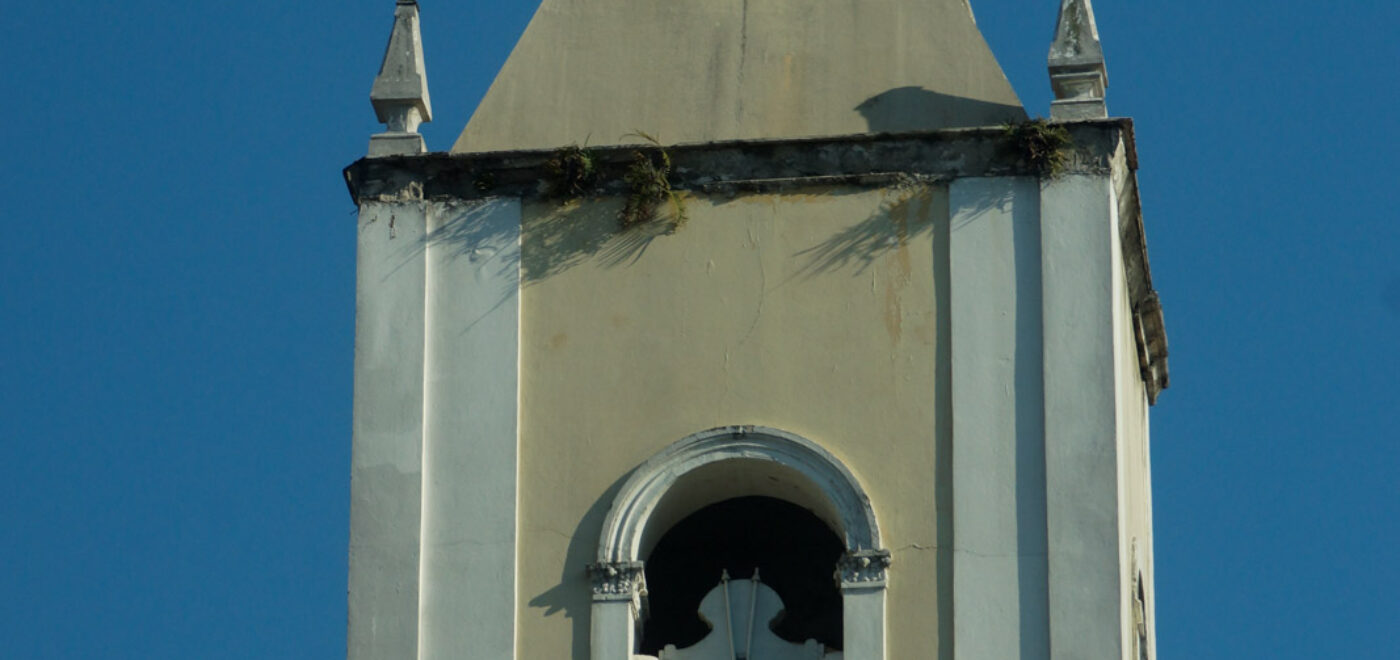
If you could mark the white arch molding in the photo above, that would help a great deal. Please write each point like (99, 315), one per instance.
(782, 465)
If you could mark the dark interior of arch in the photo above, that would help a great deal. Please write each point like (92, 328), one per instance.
(795, 552)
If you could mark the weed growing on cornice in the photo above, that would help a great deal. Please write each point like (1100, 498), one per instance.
(572, 172)
(1039, 144)
(649, 184)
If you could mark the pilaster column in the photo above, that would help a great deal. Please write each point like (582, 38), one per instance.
(471, 435)
(863, 576)
(1079, 229)
(999, 571)
(386, 467)
(618, 590)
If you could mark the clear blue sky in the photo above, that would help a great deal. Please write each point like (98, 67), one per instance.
(177, 307)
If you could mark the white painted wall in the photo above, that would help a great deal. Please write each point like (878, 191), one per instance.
(433, 523)
(386, 461)
(470, 446)
(1079, 230)
(999, 565)
(863, 613)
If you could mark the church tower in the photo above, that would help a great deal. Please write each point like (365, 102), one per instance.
(734, 329)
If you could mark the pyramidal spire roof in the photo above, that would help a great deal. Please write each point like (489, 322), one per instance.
(702, 70)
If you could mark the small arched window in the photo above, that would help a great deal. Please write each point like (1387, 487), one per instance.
(720, 465)
(793, 551)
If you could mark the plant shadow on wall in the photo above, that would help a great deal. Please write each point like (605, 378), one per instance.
(554, 238)
(558, 237)
(906, 212)
(571, 220)
(1033, 147)
(575, 222)
(484, 234)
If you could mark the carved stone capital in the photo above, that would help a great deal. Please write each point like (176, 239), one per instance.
(623, 580)
(863, 568)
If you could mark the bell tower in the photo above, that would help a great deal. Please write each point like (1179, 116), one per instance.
(753, 330)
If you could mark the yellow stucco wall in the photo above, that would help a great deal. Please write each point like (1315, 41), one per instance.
(821, 312)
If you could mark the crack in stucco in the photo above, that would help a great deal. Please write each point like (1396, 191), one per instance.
(762, 290)
(556, 532)
(1000, 555)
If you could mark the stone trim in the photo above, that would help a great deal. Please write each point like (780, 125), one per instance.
(863, 569)
(1077, 73)
(618, 580)
(618, 577)
(637, 500)
(400, 92)
(1150, 326)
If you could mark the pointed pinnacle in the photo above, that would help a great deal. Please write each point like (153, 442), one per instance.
(1077, 72)
(1076, 35)
(400, 92)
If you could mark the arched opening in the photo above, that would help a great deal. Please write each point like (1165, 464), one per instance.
(720, 465)
(795, 552)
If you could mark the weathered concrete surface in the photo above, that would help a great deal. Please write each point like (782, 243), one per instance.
(702, 70)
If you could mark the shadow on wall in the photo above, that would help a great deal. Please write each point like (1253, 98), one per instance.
(906, 212)
(570, 232)
(574, 593)
(562, 235)
(909, 210)
(1032, 565)
(556, 235)
(554, 238)
(918, 109)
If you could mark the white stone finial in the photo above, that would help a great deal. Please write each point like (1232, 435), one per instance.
(400, 92)
(1077, 72)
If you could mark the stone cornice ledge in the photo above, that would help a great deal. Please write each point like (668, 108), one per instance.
(1149, 326)
(742, 165)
